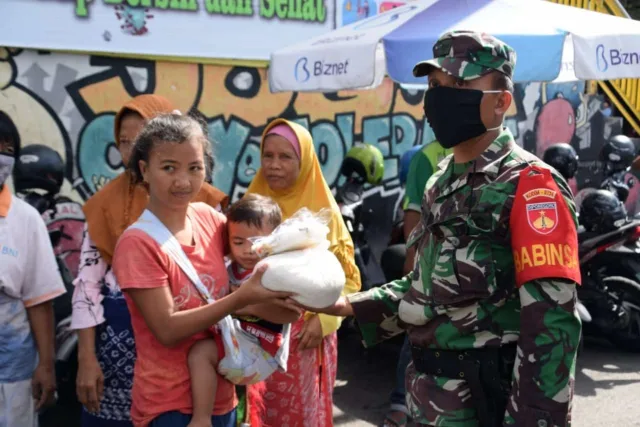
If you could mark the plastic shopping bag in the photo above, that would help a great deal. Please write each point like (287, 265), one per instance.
(244, 362)
(315, 275)
(299, 260)
(304, 229)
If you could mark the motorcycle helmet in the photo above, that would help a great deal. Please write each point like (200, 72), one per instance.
(601, 212)
(618, 153)
(366, 162)
(563, 158)
(38, 167)
(405, 162)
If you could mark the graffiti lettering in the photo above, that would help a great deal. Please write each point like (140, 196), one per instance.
(228, 143)
(94, 163)
(77, 117)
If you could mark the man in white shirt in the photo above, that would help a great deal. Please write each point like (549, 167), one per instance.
(29, 281)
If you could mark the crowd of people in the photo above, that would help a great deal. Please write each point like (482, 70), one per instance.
(492, 335)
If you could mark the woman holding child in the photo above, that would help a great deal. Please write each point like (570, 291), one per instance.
(177, 347)
(106, 344)
(290, 174)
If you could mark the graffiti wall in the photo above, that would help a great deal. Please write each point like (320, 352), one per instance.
(69, 102)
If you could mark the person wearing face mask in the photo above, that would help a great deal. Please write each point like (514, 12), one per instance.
(490, 303)
(29, 282)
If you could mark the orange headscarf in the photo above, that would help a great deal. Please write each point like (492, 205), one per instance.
(311, 191)
(119, 203)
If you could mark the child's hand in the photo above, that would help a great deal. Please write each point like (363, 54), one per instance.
(311, 334)
(252, 291)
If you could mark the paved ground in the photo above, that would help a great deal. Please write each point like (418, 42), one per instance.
(606, 395)
(607, 386)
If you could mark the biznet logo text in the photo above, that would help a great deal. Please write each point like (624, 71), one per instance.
(608, 58)
(306, 69)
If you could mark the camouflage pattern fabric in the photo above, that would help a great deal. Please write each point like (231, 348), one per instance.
(468, 55)
(461, 295)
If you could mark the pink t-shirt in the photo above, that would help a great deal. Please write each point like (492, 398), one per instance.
(161, 376)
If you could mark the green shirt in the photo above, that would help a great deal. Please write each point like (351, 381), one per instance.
(421, 167)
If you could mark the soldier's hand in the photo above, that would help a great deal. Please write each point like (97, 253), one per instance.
(341, 308)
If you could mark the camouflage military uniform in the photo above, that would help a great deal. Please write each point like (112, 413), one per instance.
(462, 296)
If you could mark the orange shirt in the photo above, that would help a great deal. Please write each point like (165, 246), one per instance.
(161, 376)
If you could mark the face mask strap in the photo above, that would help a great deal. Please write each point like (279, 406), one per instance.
(494, 91)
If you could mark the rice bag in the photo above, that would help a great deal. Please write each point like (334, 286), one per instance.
(314, 274)
(303, 230)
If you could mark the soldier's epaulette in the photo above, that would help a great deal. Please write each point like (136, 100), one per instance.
(530, 169)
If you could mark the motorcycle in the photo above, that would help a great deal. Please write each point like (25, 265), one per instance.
(610, 291)
(66, 340)
(615, 182)
(609, 297)
(611, 272)
(349, 197)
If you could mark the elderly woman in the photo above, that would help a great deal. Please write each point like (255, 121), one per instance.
(106, 350)
(291, 175)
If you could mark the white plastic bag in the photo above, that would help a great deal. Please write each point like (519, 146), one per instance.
(314, 274)
(299, 259)
(245, 362)
(303, 230)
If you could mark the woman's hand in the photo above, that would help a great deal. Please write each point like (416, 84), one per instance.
(89, 382)
(252, 291)
(311, 334)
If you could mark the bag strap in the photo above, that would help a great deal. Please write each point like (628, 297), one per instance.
(150, 224)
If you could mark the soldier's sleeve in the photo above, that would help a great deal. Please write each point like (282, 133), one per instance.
(376, 311)
(545, 249)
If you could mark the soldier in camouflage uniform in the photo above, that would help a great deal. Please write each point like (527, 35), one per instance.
(490, 305)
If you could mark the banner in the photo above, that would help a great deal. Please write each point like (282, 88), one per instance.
(224, 29)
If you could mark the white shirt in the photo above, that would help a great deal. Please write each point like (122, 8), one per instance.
(29, 276)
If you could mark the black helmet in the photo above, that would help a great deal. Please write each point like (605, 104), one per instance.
(38, 167)
(601, 211)
(563, 158)
(618, 153)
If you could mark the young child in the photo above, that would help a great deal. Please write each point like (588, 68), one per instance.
(252, 216)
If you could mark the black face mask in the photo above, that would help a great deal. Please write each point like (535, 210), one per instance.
(454, 114)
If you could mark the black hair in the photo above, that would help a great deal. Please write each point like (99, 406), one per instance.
(502, 82)
(201, 119)
(9, 132)
(255, 210)
(165, 128)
